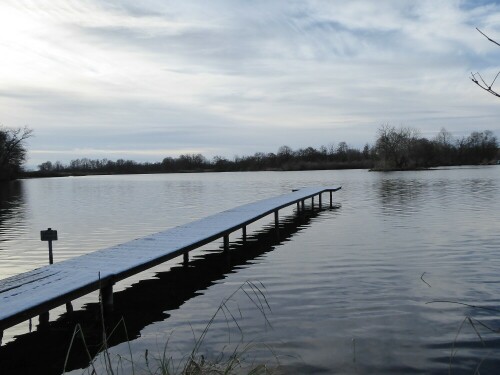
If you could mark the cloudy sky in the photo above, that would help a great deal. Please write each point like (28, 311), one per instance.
(149, 79)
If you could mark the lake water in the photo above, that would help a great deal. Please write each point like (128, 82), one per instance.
(384, 283)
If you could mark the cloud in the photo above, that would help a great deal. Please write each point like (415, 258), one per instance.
(239, 77)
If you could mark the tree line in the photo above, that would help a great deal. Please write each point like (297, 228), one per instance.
(395, 149)
(403, 148)
(285, 158)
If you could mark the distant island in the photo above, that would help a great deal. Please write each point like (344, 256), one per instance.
(395, 149)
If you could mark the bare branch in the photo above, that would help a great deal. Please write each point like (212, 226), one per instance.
(484, 85)
(487, 37)
(494, 79)
(422, 278)
(480, 76)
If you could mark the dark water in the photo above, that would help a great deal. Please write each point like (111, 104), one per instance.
(350, 290)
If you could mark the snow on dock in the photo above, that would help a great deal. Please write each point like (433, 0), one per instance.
(36, 292)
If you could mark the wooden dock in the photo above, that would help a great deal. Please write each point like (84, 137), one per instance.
(36, 292)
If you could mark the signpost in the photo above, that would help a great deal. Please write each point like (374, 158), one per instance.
(49, 235)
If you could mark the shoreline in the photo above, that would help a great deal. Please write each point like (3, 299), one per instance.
(40, 174)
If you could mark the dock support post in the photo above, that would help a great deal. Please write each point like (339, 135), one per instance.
(320, 202)
(331, 203)
(226, 251)
(277, 224)
(69, 307)
(1, 337)
(107, 297)
(303, 204)
(244, 230)
(312, 203)
(186, 258)
(298, 207)
(43, 320)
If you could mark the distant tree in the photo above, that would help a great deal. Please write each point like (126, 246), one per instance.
(285, 153)
(12, 151)
(342, 150)
(324, 151)
(366, 151)
(271, 160)
(424, 154)
(480, 147)
(444, 138)
(46, 166)
(191, 162)
(309, 154)
(394, 146)
(444, 147)
(168, 164)
(58, 166)
(331, 150)
(220, 163)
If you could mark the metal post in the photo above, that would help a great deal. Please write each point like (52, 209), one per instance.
(226, 242)
(244, 230)
(298, 207)
(331, 203)
(1, 337)
(186, 258)
(69, 307)
(320, 202)
(303, 205)
(312, 203)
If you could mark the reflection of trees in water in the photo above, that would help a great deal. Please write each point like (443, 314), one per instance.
(146, 302)
(400, 196)
(11, 207)
(484, 188)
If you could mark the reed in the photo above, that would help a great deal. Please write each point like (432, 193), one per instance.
(476, 325)
(237, 361)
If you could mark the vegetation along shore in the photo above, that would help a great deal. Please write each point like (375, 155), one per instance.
(395, 148)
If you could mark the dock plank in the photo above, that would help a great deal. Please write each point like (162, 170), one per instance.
(31, 293)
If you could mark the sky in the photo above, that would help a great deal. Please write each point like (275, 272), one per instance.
(148, 79)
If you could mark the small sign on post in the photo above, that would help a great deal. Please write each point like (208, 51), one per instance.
(49, 235)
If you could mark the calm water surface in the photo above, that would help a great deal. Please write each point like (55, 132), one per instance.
(352, 290)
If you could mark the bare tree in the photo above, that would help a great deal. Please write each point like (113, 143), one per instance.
(478, 79)
(394, 146)
(285, 153)
(12, 151)
(444, 138)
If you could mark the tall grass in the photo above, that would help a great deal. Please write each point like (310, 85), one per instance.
(477, 326)
(237, 361)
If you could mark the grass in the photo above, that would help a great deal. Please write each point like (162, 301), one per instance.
(236, 361)
(476, 325)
